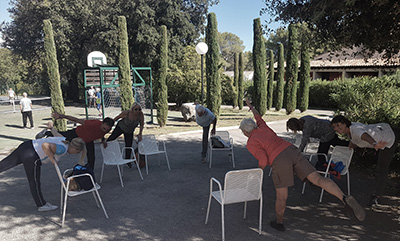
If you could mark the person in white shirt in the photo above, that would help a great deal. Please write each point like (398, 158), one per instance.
(381, 137)
(204, 118)
(92, 97)
(11, 95)
(26, 110)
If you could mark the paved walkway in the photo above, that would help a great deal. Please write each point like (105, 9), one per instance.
(171, 205)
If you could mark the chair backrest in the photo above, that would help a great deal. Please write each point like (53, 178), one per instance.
(112, 152)
(148, 145)
(343, 154)
(148, 137)
(243, 185)
(224, 136)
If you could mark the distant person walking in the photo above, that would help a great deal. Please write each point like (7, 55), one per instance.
(204, 118)
(98, 100)
(92, 97)
(26, 109)
(11, 97)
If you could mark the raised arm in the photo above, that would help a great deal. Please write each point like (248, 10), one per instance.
(57, 116)
(248, 103)
(53, 130)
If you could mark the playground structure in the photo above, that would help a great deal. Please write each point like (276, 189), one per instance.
(105, 79)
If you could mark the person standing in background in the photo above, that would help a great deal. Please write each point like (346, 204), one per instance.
(11, 97)
(204, 118)
(25, 106)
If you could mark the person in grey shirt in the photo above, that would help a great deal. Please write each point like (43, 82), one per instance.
(316, 128)
(204, 118)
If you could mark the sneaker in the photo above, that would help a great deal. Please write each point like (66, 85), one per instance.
(47, 207)
(277, 226)
(356, 209)
(41, 134)
(31, 127)
(203, 160)
(374, 200)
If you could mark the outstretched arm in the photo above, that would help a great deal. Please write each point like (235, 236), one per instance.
(248, 103)
(213, 130)
(377, 145)
(57, 116)
(53, 130)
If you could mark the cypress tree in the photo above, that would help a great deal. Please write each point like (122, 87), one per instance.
(280, 79)
(304, 77)
(57, 101)
(270, 79)
(236, 80)
(212, 66)
(259, 63)
(162, 104)
(240, 82)
(291, 70)
(124, 70)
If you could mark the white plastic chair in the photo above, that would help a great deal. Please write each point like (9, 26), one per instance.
(113, 156)
(65, 193)
(150, 146)
(339, 153)
(240, 186)
(228, 140)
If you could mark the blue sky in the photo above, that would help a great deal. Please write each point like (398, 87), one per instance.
(235, 16)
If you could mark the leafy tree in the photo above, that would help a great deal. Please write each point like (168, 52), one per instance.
(229, 44)
(124, 70)
(13, 69)
(259, 63)
(235, 81)
(248, 61)
(227, 90)
(275, 39)
(212, 66)
(241, 82)
(57, 102)
(304, 77)
(280, 78)
(270, 80)
(162, 99)
(291, 70)
(371, 24)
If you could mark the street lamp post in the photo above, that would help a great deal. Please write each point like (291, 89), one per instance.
(202, 48)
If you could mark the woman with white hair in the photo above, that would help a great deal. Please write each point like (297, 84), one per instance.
(32, 154)
(286, 160)
(204, 118)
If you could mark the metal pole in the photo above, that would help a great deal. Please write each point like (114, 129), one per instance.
(202, 89)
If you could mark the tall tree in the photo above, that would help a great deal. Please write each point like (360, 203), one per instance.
(259, 63)
(13, 69)
(240, 82)
(229, 44)
(304, 77)
(280, 79)
(236, 80)
(212, 66)
(57, 101)
(124, 67)
(270, 79)
(162, 99)
(371, 24)
(291, 70)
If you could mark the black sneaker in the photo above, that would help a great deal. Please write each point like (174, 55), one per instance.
(277, 226)
(356, 209)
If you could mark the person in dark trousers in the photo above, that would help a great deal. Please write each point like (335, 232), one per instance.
(204, 118)
(317, 128)
(381, 137)
(25, 106)
(89, 131)
(32, 154)
(285, 160)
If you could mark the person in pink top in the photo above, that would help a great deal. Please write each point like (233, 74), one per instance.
(286, 160)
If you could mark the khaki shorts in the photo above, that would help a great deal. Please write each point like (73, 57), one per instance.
(286, 164)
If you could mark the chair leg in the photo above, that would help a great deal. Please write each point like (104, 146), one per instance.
(64, 208)
(140, 172)
(101, 175)
(304, 188)
(208, 208)
(95, 198)
(348, 183)
(322, 193)
(62, 196)
(166, 157)
(223, 222)
(233, 158)
(147, 167)
(260, 224)
(245, 210)
(120, 176)
(210, 157)
(101, 203)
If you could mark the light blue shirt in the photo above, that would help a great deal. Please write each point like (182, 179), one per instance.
(206, 119)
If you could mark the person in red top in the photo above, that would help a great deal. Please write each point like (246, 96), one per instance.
(286, 160)
(89, 130)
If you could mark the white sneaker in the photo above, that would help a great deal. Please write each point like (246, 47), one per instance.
(47, 207)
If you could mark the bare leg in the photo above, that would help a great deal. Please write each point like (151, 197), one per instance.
(280, 203)
(327, 184)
